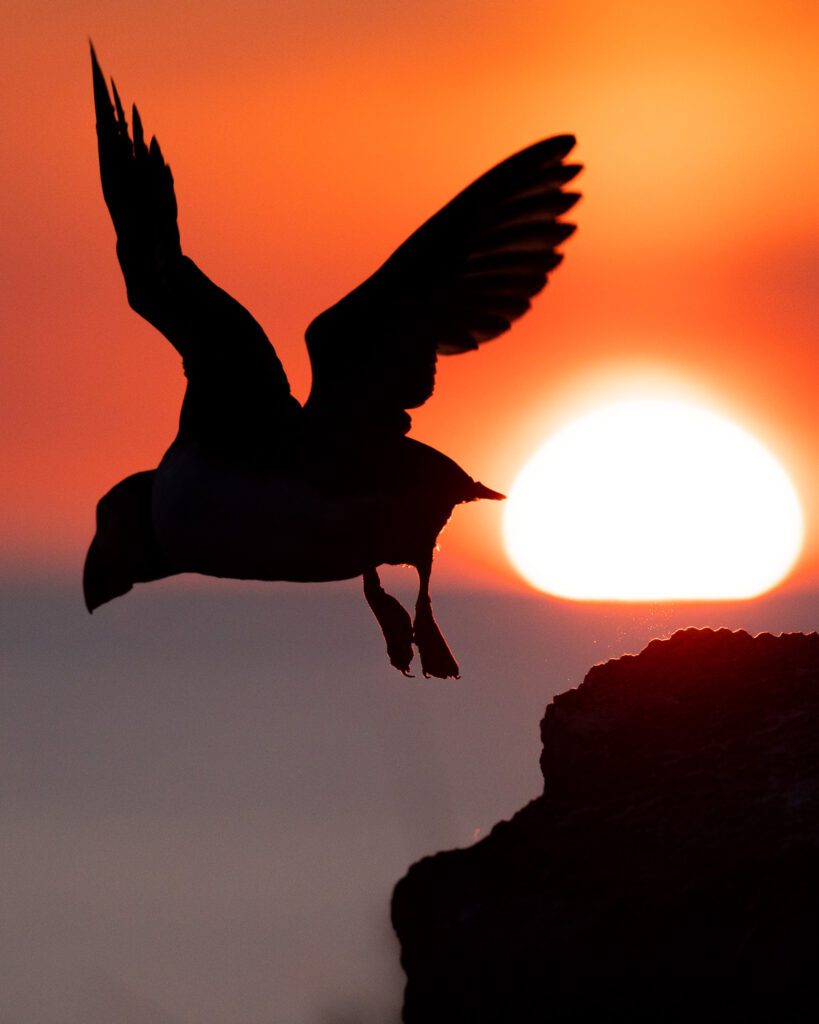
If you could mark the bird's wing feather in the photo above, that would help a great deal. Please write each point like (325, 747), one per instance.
(212, 331)
(460, 280)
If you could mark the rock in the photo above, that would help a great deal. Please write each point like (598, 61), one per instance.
(669, 872)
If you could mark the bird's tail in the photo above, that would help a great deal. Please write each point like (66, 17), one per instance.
(124, 550)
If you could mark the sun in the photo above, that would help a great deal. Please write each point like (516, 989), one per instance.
(653, 499)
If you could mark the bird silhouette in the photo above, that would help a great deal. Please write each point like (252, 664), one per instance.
(257, 486)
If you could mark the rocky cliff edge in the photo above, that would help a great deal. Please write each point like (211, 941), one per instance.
(669, 871)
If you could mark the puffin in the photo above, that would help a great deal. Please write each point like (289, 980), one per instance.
(256, 485)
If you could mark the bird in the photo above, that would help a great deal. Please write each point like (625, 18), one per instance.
(255, 484)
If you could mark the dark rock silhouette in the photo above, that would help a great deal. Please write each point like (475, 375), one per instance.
(255, 486)
(669, 872)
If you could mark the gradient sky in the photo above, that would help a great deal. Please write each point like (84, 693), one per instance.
(207, 796)
(308, 139)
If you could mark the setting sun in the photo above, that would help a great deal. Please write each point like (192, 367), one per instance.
(653, 500)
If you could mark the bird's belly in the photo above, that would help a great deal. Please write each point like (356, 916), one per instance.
(222, 521)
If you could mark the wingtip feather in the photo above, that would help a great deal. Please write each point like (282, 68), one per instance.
(102, 98)
(118, 104)
(570, 199)
(555, 148)
(566, 141)
(139, 135)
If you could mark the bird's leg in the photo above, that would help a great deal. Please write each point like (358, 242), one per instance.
(393, 619)
(436, 657)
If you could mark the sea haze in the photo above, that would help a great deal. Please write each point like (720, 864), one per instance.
(208, 792)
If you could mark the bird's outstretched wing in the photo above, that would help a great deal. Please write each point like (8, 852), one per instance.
(215, 335)
(461, 279)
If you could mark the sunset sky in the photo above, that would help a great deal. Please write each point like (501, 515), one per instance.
(308, 139)
(210, 790)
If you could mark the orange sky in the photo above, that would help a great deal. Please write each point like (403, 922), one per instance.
(308, 139)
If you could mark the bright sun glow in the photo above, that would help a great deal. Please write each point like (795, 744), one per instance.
(653, 500)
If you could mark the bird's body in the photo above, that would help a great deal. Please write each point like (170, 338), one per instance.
(222, 519)
(257, 486)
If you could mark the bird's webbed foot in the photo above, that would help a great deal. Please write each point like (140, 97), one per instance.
(436, 658)
(394, 620)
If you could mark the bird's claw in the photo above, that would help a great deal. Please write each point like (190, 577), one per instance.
(402, 660)
(436, 658)
(396, 625)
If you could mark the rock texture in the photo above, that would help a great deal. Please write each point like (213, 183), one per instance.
(669, 872)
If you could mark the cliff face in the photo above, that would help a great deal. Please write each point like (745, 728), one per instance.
(669, 872)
